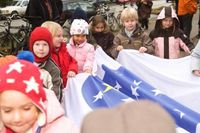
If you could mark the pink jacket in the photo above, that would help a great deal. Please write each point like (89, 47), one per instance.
(83, 54)
(167, 42)
(56, 121)
(174, 47)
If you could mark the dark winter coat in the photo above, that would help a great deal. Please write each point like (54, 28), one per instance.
(105, 40)
(37, 12)
(144, 9)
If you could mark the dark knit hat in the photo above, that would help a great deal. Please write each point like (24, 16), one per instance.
(38, 34)
(134, 117)
(79, 13)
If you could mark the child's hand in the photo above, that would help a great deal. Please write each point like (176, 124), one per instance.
(142, 49)
(71, 74)
(65, 39)
(88, 71)
(196, 73)
(119, 48)
(188, 51)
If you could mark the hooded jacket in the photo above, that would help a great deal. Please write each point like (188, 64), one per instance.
(167, 42)
(56, 121)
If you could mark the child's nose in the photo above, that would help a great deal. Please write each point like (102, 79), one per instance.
(16, 117)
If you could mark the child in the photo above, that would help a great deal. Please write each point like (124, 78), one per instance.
(46, 77)
(79, 13)
(144, 12)
(101, 33)
(40, 44)
(195, 60)
(141, 116)
(131, 35)
(167, 36)
(67, 64)
(25, 106)
(78, 47)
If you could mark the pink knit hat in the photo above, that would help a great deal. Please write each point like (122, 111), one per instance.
(134, 117)
(25, 77)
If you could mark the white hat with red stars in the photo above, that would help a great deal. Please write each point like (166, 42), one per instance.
(25, 77)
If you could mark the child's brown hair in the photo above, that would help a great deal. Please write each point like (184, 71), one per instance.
(96, 20)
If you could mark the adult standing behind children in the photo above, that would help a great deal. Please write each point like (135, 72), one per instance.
(25, 106)
(66, 63)
(78, 46)
(101, 32)
(41, 44)
(131, 35)
(186, 9)
(144, 12)
(39, 11)
(167, 37)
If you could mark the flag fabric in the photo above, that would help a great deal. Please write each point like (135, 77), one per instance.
(85, 93)
(113, 83)
(173, 77)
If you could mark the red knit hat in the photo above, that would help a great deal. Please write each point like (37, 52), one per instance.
(38, 34)
(25, 77)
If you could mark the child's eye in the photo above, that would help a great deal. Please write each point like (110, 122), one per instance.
(27, 108)
(45, 44)
(7, 110)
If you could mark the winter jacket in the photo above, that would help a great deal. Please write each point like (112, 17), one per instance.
(56, 121)
(105, 40)
(195, 58)
(47, 79)
(167, 42)
(64, 61)
(139, 38)
(144, 9)
(187, 7)
(55, 73)
(83, 53)
(37, 12)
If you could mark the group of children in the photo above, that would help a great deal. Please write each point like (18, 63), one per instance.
(55, 61)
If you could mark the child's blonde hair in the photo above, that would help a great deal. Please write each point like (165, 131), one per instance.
(52, 27)
(129, 13)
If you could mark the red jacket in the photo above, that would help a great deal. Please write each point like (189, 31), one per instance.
(187, 7)
(65, 62)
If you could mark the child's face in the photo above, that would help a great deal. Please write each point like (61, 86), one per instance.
(58, 38)
(17, 111)
(41, 48)
(99, 27)
(130, 24)
(167, 22)
(79, 39)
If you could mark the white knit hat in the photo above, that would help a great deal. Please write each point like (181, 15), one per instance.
(79, 26)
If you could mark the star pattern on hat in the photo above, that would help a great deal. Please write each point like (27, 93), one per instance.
(31, 85)
(17, 66)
